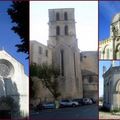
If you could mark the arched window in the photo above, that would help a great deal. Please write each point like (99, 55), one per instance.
(99, 54)
(57, 30)
(66, 30)
(65, 16)
(119, 53)
(57, 16)
(62, 62)
(108, 53)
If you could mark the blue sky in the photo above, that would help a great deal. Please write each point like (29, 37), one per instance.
(107, 64)
(8, 39)
(107, 9)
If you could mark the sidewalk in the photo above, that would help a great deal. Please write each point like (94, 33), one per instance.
(107, 115)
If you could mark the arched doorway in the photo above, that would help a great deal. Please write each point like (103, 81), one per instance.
(117, 94)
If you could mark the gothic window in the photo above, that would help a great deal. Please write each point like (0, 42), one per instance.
(74, 65)
(65, 16)
(57, 30)
(90, 79)
(62, 62)
(46, 53)
(57, 16)
(40, 50)
(66, 30)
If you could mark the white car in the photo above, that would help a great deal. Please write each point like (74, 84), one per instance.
(68, 103)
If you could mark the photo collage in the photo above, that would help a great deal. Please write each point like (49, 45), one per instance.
(59, 60)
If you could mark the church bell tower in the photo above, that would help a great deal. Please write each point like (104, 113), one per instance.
(65, 52)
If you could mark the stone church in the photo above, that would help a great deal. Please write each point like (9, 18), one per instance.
(62, 50)
(110, 47)
(111, 99)
(13, 83)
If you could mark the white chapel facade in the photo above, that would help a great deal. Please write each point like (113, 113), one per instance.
(110, 47)
(14, 82)
(111, 99)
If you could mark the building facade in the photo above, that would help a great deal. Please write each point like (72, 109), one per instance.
(110, 48)
(89, 68)
(14, 82)
(64, 53)
(111, 98)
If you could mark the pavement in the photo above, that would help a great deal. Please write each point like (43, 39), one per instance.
(108, 115)
(81, 112)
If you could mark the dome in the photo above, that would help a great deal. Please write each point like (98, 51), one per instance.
(116, 18)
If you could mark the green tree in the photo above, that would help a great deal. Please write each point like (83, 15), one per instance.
(48, 74)
(19, 13)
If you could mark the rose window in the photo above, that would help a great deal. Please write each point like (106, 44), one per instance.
(6, 68)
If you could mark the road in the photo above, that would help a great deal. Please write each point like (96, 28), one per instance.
(81, 112)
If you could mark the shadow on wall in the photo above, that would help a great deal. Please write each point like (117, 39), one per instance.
(9, 99)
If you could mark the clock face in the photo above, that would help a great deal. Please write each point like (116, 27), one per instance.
(4, 70)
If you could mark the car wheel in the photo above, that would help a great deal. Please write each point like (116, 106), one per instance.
(73, 105)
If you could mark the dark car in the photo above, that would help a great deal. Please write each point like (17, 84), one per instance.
(48, 105)
(93, 100)
(45, 105)
(39, 107)
(87, 101)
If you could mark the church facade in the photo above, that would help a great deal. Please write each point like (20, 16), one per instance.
(111, 99)
(62, 51)
(14, 83)
(110, 47)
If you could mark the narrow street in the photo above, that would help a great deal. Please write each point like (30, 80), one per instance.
(81, 112)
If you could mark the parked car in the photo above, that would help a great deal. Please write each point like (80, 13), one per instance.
(87, 101)
(48, 105)
(68, 103)
(93, 100)
(39, 107)
(79, 100)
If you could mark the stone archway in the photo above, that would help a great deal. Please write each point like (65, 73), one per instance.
(117, 94)
(118, 51)
(106, 52)
(117, 86)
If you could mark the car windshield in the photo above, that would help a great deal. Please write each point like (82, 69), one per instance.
(49, 103)
(65, 100)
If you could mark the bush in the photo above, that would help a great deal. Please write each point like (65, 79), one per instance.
(116, 110)
(10, 103)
